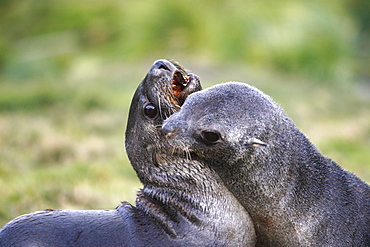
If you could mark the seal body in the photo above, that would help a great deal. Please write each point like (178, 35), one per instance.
(182, 203)
(294, 194)
(124, 226)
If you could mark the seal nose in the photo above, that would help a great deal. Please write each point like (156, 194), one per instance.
(169, 129)
(162, 64)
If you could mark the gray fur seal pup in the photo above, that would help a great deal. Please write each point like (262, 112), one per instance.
(181, 204)
(294, 194)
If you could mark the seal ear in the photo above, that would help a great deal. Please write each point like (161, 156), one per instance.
(255, 141)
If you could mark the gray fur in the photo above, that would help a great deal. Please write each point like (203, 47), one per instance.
(294, 194)
(183, 203)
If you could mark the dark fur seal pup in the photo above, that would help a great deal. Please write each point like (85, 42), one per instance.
(295, 195)
(181, 204)
(186, 198)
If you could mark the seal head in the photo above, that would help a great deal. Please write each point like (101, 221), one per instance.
(295, 195)
(159, 95)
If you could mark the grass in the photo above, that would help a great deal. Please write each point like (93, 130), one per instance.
(293, 36)
(62, 138)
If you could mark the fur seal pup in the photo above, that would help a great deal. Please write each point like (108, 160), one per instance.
(181, 203)
(187, 199)
(294, 194)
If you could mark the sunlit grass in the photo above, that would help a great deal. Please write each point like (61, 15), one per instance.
(73, 160)
(66, 151)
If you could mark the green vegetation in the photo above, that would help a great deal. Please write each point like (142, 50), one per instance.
(315, 38)
(68, 70)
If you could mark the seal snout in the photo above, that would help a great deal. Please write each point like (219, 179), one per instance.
(175, 140)
(162, 68)
(163, 65)
(168, 129)
(172, 134)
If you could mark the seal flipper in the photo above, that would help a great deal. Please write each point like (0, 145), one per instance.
(73, 228)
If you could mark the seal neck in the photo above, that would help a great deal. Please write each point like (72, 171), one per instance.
(187, 191)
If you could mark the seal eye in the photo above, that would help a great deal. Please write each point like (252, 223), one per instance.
(150, 110)
(210, 136)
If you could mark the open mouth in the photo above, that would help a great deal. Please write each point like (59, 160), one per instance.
(179, 83)
(183, 84)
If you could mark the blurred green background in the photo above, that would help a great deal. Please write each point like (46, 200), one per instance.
(68, 70)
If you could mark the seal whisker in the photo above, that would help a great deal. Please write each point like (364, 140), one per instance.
(159, 105)
(185, 150)
(188, 154)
